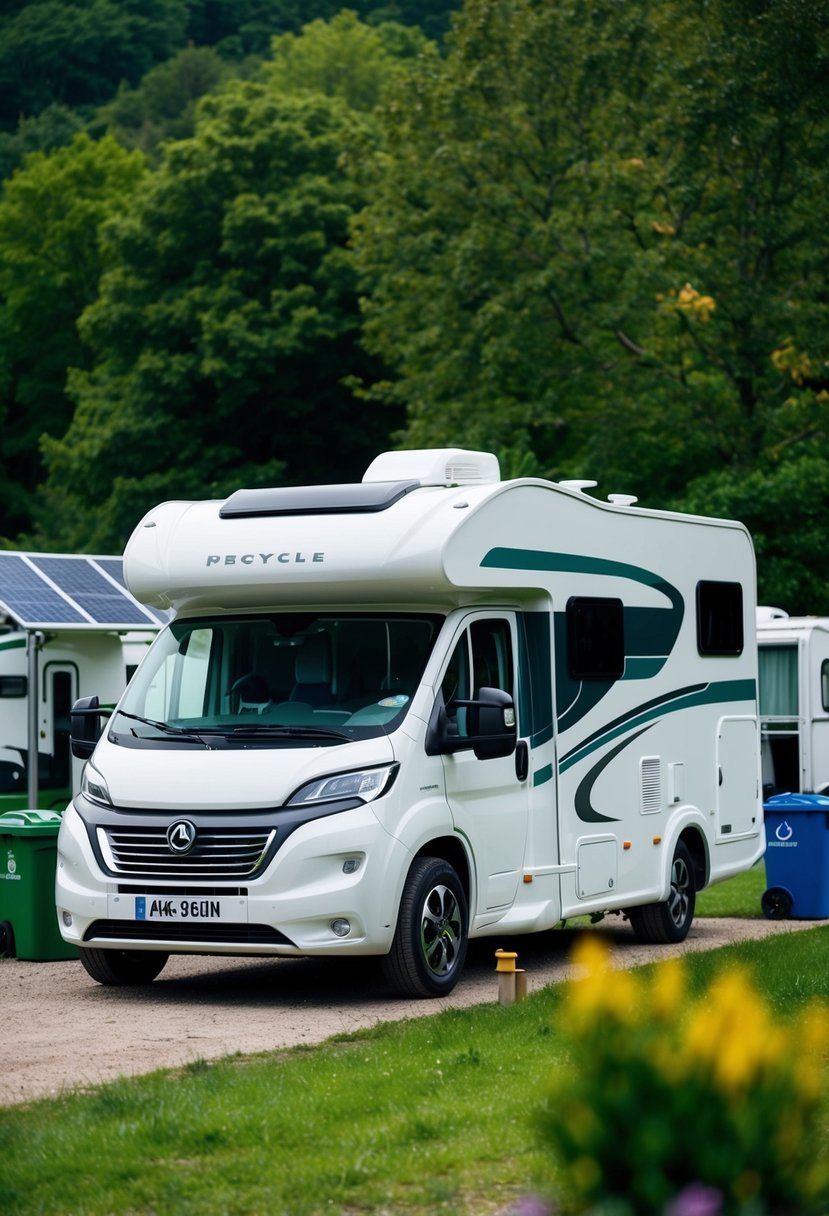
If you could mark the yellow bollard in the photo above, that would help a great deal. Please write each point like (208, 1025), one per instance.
(505, 969)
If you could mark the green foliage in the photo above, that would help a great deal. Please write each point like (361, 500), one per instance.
(341, 58)
(50, 262)
(163, 106)
(648, 1062)
(599, 237)
(75, 52)
(224, 326)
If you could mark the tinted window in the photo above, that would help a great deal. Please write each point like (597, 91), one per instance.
(719, 618)
(595, 638)
(12, 686)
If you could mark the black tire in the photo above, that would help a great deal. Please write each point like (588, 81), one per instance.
(776, 903)
(119, 967)
(670, 919)
(429, 947)
(6, 939)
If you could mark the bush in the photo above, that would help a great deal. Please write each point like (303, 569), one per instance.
(670, 1105)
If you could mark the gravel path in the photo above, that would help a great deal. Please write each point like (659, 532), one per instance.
(62, 1031)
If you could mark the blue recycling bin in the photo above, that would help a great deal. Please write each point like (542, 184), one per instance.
(797, 857)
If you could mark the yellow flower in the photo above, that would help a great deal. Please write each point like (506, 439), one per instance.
(668, 988)
(599, 992)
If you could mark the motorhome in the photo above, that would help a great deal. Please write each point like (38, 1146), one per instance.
(391, 716)
(68, 627)
(794, 702)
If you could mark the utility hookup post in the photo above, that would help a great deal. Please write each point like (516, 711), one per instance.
(512, 982)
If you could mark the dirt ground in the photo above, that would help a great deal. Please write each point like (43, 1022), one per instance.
(62, 1031)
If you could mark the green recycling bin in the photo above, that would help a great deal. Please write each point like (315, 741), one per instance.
(28, 856)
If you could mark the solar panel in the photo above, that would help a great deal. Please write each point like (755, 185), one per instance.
(69, 591)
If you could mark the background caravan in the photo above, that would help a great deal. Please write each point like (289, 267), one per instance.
(794, 702)
(68, 627)
(393, 715)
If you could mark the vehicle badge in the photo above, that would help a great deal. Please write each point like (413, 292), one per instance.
(181, 836)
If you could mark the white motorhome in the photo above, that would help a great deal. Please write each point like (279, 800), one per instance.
(794, 702)
(68, 627)
(429, 706)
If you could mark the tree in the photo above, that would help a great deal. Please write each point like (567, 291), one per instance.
(602, 236)
(492, 259)
(51, 211)
(342, 58)
(224, 328)
(163, 106)
(75, 52)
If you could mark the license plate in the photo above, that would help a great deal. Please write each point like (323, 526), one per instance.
(177, 908)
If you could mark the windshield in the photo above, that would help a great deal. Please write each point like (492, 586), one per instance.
(276, 678)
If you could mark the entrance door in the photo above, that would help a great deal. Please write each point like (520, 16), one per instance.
(488, 799)
(60, 683)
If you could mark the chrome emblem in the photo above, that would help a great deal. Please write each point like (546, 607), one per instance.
(181, 836)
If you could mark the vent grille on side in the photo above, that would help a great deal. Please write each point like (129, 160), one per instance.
(651, 779)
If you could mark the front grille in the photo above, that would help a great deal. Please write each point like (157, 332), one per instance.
(204, 933)
(219, 852)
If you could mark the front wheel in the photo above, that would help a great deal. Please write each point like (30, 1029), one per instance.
(429, 946)
(119, 967)
(670, 919)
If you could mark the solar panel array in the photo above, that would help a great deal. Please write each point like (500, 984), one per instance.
(70, 591)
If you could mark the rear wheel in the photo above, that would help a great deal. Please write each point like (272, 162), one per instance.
(429, 947)
(670, 919)
(117, 967)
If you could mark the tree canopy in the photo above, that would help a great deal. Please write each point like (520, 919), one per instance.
(225, 324)
(600, 244)
(51, 260)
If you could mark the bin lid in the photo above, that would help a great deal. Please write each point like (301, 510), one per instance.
(791, 803)
(31, 822)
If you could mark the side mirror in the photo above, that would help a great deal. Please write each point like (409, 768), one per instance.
(490, 722)
(85, 726)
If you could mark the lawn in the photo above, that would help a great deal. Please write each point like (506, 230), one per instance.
(418, 1118)
(739, 896)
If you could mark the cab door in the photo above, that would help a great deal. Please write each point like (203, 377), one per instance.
(489, 799)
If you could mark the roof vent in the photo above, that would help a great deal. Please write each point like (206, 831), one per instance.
(771, 614)
(436, 467)
(622, 500)
(578, 485)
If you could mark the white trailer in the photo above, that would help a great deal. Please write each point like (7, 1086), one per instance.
(68, 626)
(433, 705)
(794, 702)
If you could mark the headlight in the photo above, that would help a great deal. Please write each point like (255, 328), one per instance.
(364, 783)
(94, 787)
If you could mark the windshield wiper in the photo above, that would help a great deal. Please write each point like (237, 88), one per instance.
(171, 732)
(286, 732)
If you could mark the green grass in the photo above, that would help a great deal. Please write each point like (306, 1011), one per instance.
(423, 1117)
(739, 896)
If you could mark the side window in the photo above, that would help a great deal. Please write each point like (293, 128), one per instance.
(13, 686)
(595, 638)
(719, 618)
(491, 656)
(481, 659)
(456, 680)
(824, 684)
